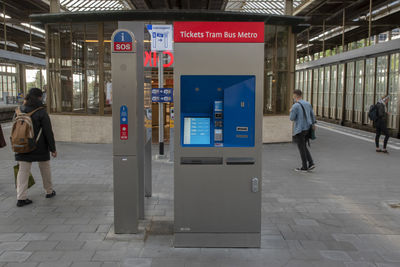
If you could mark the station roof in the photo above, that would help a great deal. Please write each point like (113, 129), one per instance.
(18, 26)
(23, 17)
(99, 5)
(385, 17)
(257, 6)
(168, 15)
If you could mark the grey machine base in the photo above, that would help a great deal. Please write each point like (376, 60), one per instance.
(217, 240)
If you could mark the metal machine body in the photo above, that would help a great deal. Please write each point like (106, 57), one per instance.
(131, 139)
(218, 92)
(125, 132)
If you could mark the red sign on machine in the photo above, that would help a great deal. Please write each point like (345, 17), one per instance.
(123, 132)
(218, 32)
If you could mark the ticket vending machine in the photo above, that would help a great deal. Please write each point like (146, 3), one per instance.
(218, 77)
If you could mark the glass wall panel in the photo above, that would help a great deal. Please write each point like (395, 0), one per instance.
(333, 89)
(315, 90)
(320, 91)
(277, 94)
(11, 86)
(297, 77)
(6, 93)
(369, 87)
(309, 85)
(8, 83)
(327, 82)
(305, 92)
(349, 91)
(1, 88)
(73, 60)
(93, 91)
(394, 91)
(33, 78)
(358, 91)
(381, 77)
(340, 87)
(301, 80)
(78, 92)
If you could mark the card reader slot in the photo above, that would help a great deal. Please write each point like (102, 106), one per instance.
(201, 160)
(240, 161)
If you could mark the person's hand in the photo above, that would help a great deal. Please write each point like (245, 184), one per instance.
(54, 154)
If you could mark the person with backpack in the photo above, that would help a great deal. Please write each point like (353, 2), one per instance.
(304, 119)
(32, 139)
(380, 123)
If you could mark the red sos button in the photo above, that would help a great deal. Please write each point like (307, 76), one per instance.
(122, 47)
(123, 132)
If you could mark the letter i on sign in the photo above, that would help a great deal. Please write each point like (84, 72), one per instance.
(122, 37)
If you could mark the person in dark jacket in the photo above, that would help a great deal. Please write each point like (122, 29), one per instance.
(45, 145)
(381, 123)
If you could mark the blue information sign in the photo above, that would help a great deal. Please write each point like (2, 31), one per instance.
(122, 37)
(123, 115)
(162, 95)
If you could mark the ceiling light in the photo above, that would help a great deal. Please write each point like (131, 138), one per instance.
(7, 16)
(33, 27)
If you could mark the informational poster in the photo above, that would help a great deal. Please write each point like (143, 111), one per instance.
(162, 95)
(161, 37)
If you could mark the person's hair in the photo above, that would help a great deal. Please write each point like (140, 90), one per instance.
(298, 92)
(32, 98)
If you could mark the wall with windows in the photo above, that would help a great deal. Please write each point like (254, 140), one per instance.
(8, 83)
(79, 66)
(351, 87)
(79, 75)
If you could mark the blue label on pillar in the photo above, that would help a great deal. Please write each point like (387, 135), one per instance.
(123, 114)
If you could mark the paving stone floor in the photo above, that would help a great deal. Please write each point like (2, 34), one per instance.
(336, 216)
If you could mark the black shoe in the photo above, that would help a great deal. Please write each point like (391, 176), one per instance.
(311, 167)
(24, 202)
(301, 170)
(52, 194)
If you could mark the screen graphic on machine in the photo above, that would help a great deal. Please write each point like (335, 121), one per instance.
(196, 131)
(217, 110)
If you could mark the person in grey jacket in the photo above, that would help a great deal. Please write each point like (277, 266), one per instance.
(381, 123)
(303, 116)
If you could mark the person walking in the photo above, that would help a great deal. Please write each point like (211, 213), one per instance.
(303, 117)
(41, 154)
(381, 123)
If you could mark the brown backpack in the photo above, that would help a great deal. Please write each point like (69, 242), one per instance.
(22, 135)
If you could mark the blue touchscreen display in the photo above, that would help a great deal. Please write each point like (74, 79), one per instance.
(196, 131)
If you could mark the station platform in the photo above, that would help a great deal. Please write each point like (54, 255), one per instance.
(338, 215)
